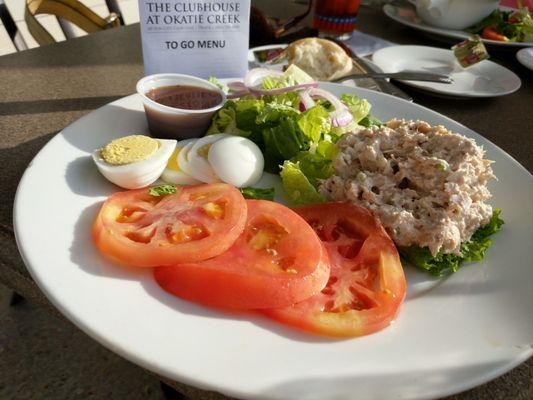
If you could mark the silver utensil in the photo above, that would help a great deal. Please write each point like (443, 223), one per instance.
(378, 84)
(402, 75)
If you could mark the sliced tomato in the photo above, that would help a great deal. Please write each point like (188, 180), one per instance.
(366, 285)
(196, 223)
(278, 260)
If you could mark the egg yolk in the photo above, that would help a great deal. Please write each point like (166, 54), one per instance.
(173, 160)
(129, 149)
(204, 150)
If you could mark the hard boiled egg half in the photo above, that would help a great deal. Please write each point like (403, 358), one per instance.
(215, 158)
(236, 160)
(194, 160)
(134, 161)
(173, 172)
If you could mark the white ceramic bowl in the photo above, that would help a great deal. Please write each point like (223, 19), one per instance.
(176, 123)
(454, 14)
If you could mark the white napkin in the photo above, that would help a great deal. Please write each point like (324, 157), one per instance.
(363, 44)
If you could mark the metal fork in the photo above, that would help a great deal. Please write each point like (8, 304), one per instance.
(403, 75)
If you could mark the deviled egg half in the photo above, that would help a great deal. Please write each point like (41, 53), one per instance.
(134, 161)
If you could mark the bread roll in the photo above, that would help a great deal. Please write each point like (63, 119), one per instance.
(322, 59)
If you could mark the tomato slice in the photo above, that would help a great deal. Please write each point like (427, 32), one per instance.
(366, 285)
(196, 223)
(278, 260)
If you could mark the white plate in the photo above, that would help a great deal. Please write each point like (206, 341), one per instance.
(254, 63)
(484, 79)
(406, 15)
(451, 334)
(525, 56)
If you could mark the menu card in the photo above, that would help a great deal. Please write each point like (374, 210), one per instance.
(202, 38)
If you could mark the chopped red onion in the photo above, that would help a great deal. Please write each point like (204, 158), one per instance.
(306, 101)
(237, 86)
(340, 116)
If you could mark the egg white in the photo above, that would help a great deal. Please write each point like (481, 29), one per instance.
(178, 177)
(195, 164)
(237, 160)
(138, 174)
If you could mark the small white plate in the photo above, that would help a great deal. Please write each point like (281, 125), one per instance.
(254, 63)
(525, 56)
(406, 15)
(451, 334)
(484, 79)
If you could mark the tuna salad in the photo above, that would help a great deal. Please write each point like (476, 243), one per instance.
(426, 184)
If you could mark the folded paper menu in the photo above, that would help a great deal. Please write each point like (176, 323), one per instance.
(202, 38)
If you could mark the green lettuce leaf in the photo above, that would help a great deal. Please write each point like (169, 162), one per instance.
(369, 121)
(238, 118)
(258, 193)
(359, 108)
(272, 113)
(316, 166)
(302, 174)
(225, 121)
(337, 131)
(292, 76)
(314, 123)
(473, 250)
(215, 82)
(527, 29)
(496, 18)
(282, 142)
(246, 113)
(518, 31)
(327, 149)
(162, 190)
(298, 188)
(297, 76)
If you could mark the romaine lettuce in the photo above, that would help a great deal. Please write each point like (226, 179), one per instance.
(359, 108)
(282, 142)
(473, 250)
(314, 123)
(272, 113)
(258, 193)
(298, 188)
(314, 166)
(369, 121)
(225, 121)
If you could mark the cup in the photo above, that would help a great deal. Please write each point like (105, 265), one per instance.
(335, 17)
(176, 123)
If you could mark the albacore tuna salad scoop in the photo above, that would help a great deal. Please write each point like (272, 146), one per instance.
(426, 184)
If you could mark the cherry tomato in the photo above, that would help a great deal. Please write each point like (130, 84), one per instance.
(277, 261)
(489, 33)
(366, 285)
(196, 223)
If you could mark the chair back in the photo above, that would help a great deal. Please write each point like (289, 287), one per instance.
(70, 10)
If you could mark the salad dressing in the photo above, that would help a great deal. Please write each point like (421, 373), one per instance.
(182, 111)
(186, 97)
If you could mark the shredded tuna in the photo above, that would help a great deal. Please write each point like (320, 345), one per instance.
(426, 184)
